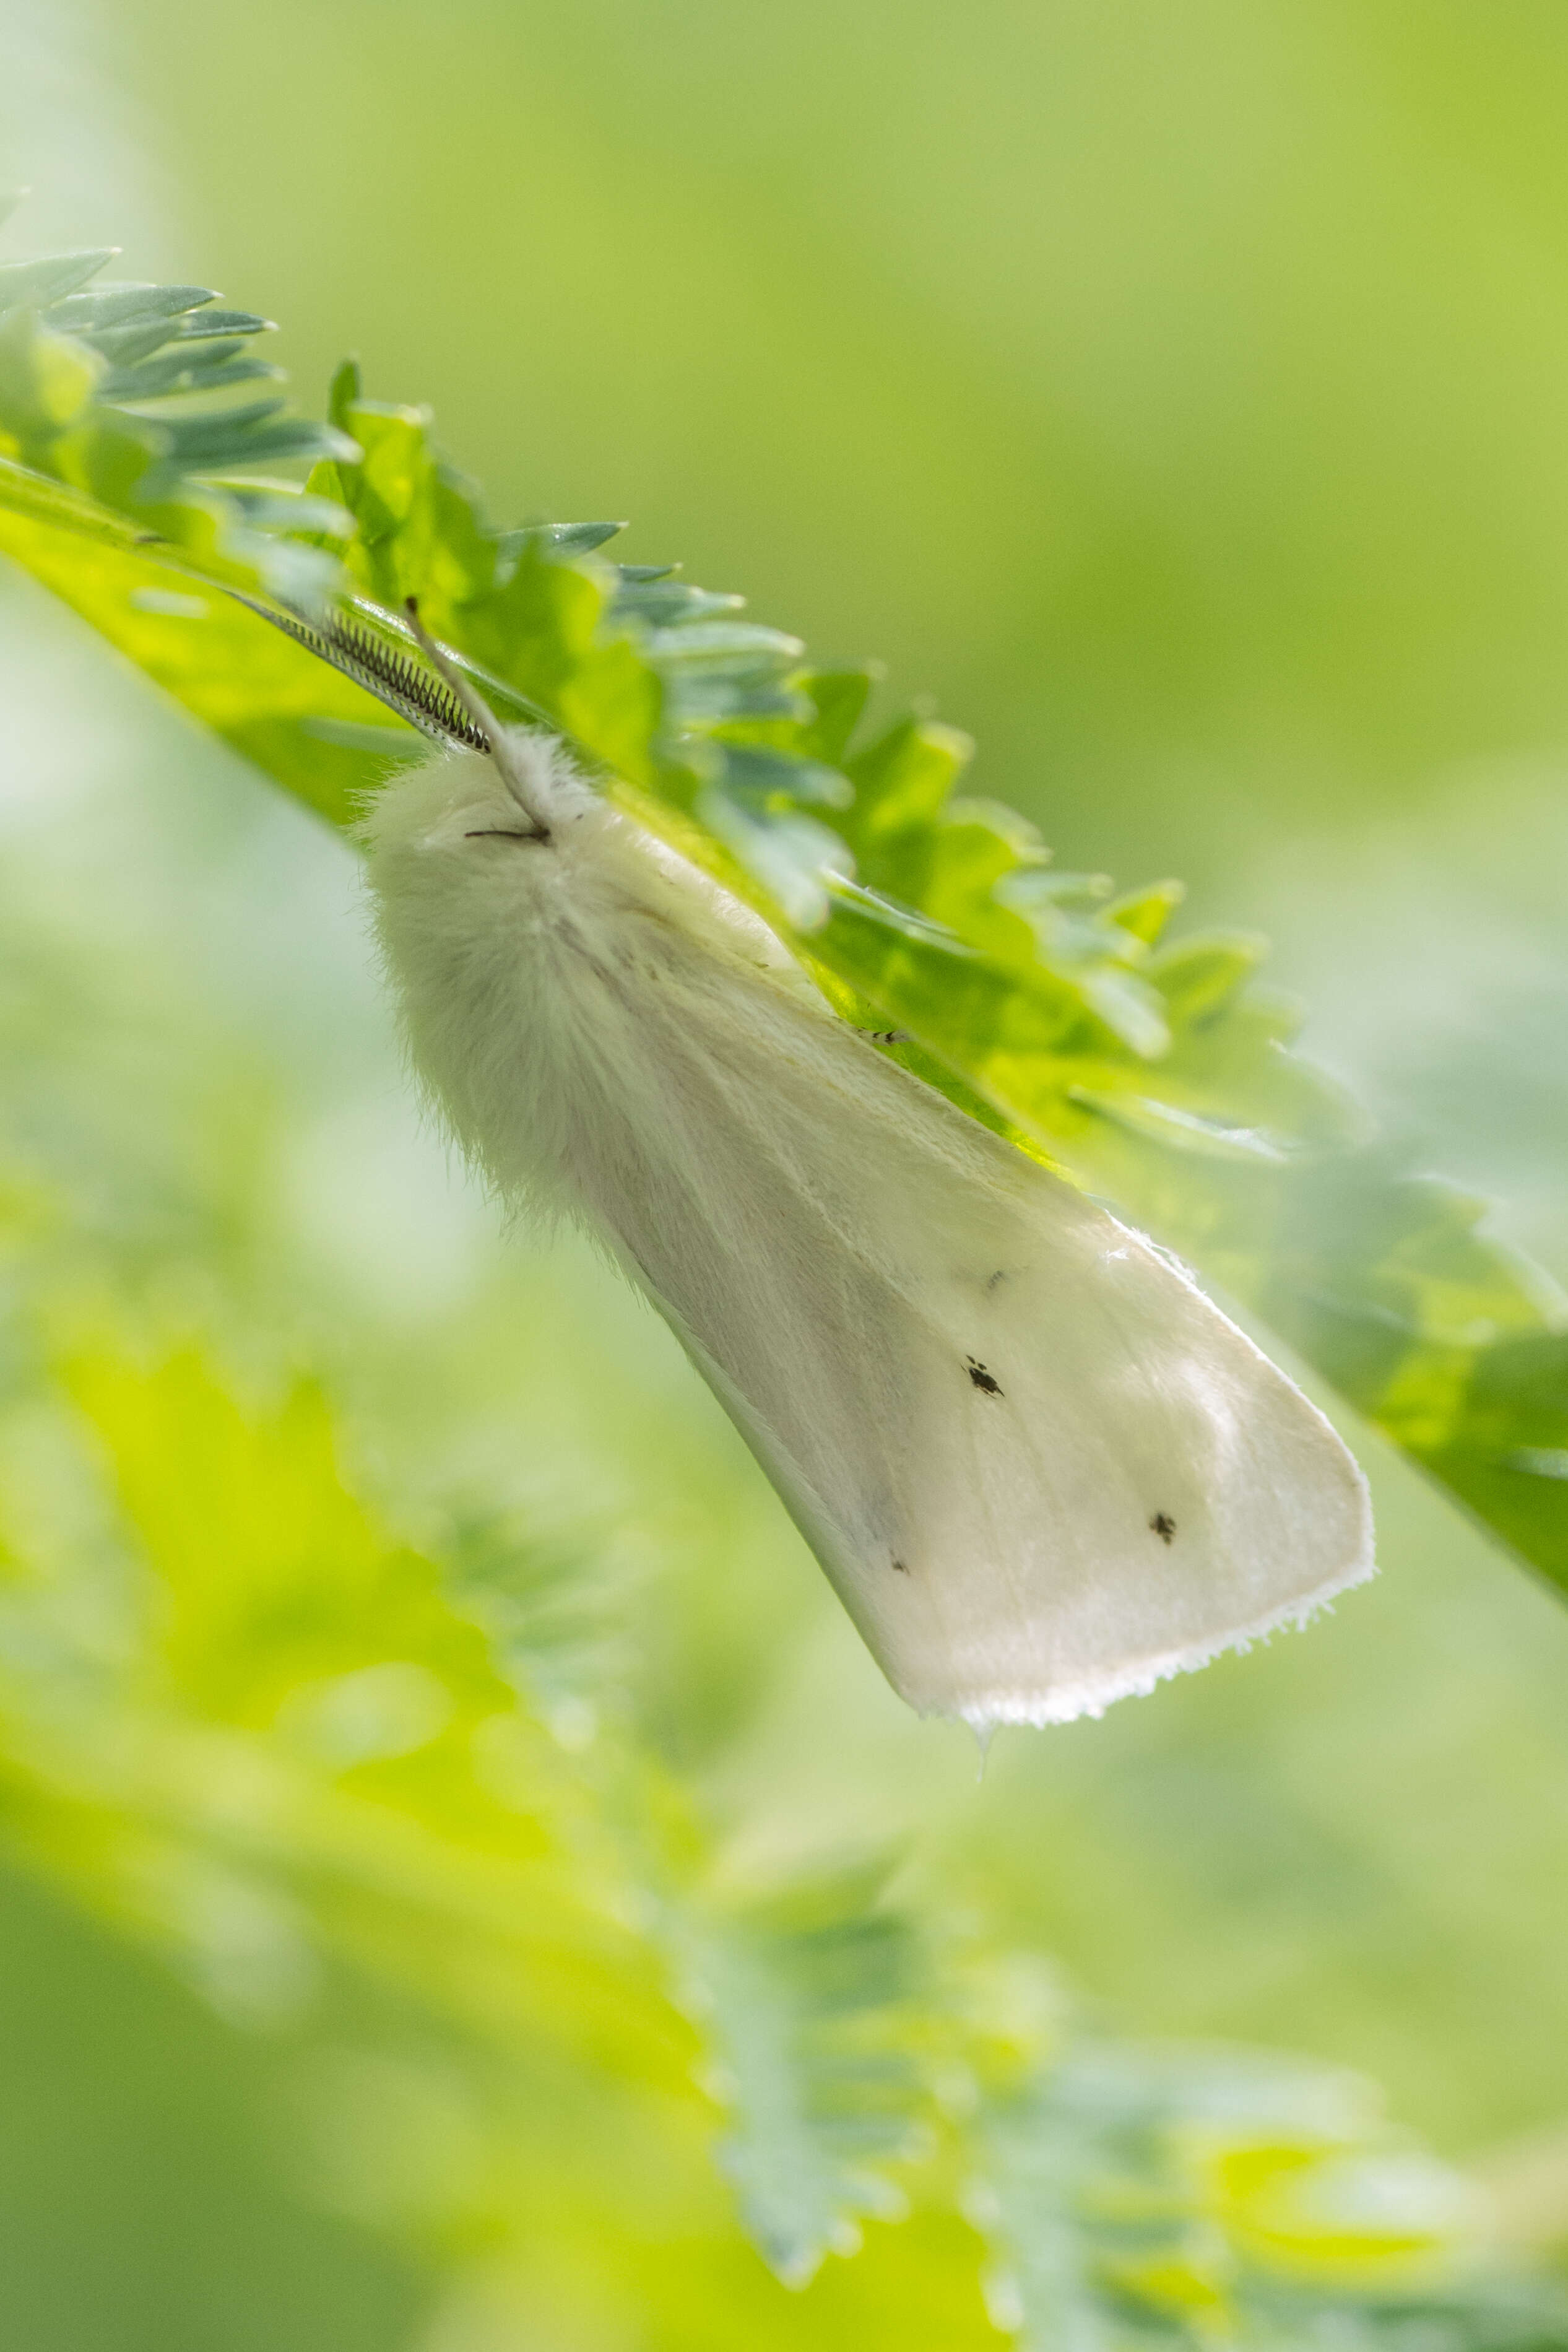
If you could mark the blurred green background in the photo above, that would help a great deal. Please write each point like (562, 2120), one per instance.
(1180, 394)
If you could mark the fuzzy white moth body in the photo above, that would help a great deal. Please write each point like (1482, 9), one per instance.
(1039, 1468)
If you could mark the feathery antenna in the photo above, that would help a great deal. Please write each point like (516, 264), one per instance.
(439, 706)
(493, 736)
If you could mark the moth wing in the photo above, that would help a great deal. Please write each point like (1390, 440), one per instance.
(1041, 1469)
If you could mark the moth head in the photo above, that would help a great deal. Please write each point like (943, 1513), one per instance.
(542, 786)
(522, 762)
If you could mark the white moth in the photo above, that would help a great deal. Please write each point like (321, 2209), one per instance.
(1040, 1469)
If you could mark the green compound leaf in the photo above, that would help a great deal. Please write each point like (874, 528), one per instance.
(1163, 2195)
(814, 2003)
(1160, 1076)
(134, 505)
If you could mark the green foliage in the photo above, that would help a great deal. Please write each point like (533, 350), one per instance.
(1165, 2194)
(816, 2003)
(129, 491)
(246, 1719)
(1158, 1075)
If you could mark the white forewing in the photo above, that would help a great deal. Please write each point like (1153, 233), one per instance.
(1040, 1468)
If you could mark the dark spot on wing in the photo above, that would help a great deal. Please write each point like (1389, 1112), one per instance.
(992, 1280)
(1163, 1526)
(981, 1378)
(901, 1566)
